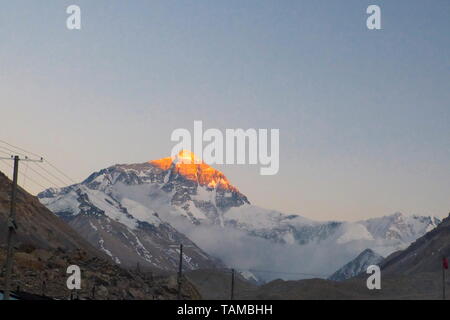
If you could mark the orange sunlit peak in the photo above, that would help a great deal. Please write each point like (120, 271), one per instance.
(187, 157)
(183, 157)
(163, 164)
(184, 163)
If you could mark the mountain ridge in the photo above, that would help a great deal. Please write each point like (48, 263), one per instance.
(357, 266)
(170, 191)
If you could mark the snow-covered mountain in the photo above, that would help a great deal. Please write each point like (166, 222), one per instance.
(126, 230)
(424, 255)
(357, 266)
(137, 207)
(386, 234)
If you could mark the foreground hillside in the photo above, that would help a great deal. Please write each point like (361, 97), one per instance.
(46, 246)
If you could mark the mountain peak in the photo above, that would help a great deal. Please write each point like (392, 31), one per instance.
(189, 166)
(186, 157)
(357, 266)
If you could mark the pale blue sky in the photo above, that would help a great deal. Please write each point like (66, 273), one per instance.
(364, 116)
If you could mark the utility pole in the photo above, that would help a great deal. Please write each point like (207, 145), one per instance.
(12, 225)
(232, 284)
(180, 266)
(180, 271)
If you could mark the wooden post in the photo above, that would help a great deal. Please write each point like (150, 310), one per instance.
(11, 231)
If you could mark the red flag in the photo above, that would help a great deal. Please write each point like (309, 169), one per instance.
(445, 263)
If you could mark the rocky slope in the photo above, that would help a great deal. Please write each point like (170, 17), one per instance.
(43, 272)
(45, 246)
(37, 226)
(423, 255)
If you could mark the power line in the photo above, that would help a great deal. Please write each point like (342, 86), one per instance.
(287, 273)
(21, 149)
(41, 167)
(59, 171)
(24, 176)
(13, 152)
(5, 152)
(51, 174)
(87, 191)
(274, 272)
(4, 161)
(34, 181)
(72, 181)
(28, 177)
(45, 178)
